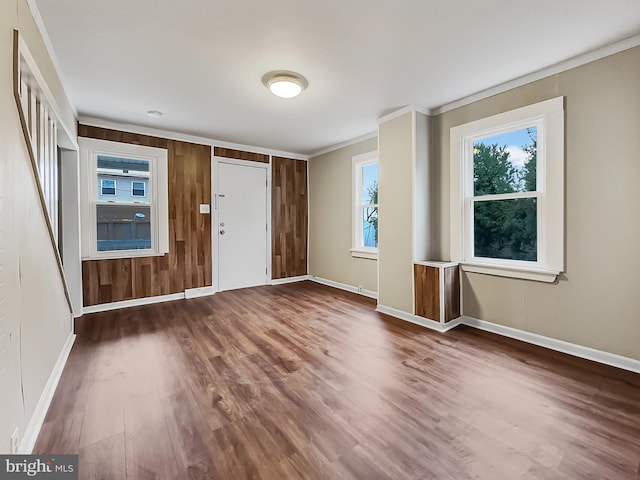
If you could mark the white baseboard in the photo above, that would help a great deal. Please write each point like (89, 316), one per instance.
(588, 353)
(580, 351)
(282, 281)
(424, 322)
(35, 423)
(199, 292)
(344, 286)
(105, 307)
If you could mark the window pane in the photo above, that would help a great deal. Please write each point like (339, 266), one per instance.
(123, 227)
(506, 229)
(370, 227)
(123, 165)
(370, 184)
(137, 189)
(108, 186)
(130, 176)
(505, 163)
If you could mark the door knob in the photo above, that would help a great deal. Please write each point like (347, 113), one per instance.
(222, 232)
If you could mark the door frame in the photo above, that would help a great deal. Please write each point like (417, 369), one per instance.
(215, 177)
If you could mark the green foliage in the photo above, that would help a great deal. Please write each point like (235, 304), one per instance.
(504, 228)
(529, 175)
(493, 173)
(372, 214)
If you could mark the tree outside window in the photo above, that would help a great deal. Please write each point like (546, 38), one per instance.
(365, 205)
(505, 203)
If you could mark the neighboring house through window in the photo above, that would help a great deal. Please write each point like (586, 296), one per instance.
(365, 205)
(126, 214)
(107, 186)
(138, 189)
(507, 190)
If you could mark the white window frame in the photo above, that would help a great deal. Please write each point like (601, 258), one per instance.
(358, 162)
(548, 118)
(159, 196)
(144, 189)
(115, 186)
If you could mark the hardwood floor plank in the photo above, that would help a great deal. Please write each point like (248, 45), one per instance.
(305, 381)
(191, 440)
(103, 460)
(104, 413)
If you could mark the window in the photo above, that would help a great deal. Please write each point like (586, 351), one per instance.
(507, 189)
(107, 187)
(138, 189)
(126, 214)
(365, 201)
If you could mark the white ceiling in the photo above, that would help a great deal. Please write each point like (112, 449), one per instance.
(201, 61)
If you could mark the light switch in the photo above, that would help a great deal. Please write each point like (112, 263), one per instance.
(205, 208)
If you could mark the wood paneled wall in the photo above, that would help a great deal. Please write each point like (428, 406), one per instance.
(188, 263)
(289, 217)
(427, 297)
(427, 292)
(240, 154)
(122, 137)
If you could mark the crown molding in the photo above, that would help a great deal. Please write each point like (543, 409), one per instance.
(401, 111)
(184, 137)
(346, 143)
(560, 67)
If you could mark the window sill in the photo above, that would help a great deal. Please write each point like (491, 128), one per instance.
(124, 254)
(535, 274)
(370, 254)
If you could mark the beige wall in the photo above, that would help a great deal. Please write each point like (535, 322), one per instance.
(595, 303)
(395, 261)
(34, 314)
(330, 219)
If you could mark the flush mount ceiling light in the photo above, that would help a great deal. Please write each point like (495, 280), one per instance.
(285, 84)
(154, 113)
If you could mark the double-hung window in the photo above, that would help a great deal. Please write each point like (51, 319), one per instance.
(107, 186)
(124, 200)
(507, 189)
(139, 188)
(365, 205)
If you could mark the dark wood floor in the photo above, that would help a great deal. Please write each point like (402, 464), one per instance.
(303, 381)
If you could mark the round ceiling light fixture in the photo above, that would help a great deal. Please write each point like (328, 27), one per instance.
(285, 84)
(154, 113)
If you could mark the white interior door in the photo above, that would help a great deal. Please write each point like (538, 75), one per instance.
(242, 226)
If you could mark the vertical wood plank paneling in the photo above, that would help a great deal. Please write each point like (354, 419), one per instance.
(188, 263)
(427, 288)
(289, 217)
(119, 136)
(240, 155)
(451, 293)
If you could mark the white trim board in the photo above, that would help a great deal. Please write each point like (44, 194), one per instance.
(136, 302)
(346, 143)
(423, 322)
(580, 351)
(283, 281)
(199, 292)
(35, 423)
(37, 18)
(343, 286)
(66, 137)
(105, 307)
(401, 111)
(184, 137)
(599, 356)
